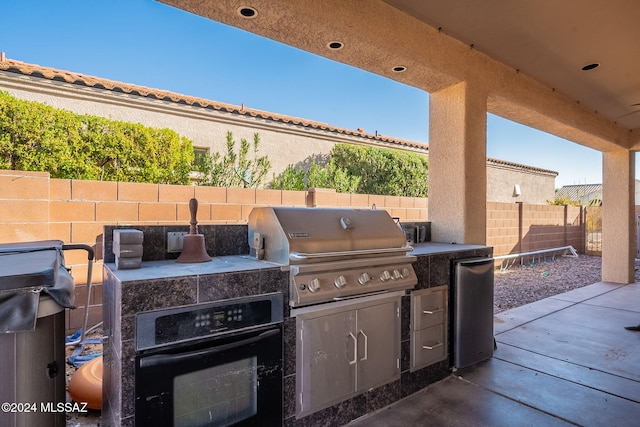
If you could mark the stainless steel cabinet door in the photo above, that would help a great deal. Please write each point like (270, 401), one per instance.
(329, 358)
(378, 335)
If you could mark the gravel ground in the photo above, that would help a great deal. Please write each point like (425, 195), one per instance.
(520, 285)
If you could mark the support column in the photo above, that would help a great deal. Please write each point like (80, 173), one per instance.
(458, 164)
(618, 222)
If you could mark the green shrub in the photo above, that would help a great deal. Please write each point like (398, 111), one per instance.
(316, 175)
(37, 137)
(365, 170)
(235, 170)
(383, 170)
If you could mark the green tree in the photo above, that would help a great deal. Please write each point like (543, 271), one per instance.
(235, 169)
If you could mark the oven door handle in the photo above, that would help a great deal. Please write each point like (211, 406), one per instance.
(167, 359)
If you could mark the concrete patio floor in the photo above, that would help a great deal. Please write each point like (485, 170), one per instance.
(564, 360)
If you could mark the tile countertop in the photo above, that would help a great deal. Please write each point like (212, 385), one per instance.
(226, 264)
(162, 269)
(429, 248)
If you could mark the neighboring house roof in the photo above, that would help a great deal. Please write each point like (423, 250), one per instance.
(578, 193)
(19, 67)
(524, 168)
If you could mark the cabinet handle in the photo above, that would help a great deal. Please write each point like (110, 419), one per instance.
(355, 349)
(440, 310)
(426, 347)
(366, 345)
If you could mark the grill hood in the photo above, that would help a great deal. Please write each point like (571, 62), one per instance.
(307, 235)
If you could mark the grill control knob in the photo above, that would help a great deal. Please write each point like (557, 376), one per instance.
(364, 278)
(396, 275)
(314, 285)
(340, 282)
(406, 272)
(385, 275)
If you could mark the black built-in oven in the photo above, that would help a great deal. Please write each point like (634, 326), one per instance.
(212, 364)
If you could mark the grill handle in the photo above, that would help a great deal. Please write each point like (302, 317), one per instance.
(302, 256)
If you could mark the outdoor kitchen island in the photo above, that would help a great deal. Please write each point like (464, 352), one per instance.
(166, 284)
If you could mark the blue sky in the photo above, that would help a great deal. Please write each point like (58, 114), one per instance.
(148, 43)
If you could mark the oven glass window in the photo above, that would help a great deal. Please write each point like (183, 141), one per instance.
(217, 396)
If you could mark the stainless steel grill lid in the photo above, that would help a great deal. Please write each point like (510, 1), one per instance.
(333, 254)
(304, 235)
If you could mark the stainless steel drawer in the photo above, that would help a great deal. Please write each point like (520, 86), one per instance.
(429, 308)
(428, 346)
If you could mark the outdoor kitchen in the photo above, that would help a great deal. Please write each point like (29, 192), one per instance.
(306, 302)
(304, 316)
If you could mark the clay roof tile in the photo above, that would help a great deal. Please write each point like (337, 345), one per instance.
(49, 73)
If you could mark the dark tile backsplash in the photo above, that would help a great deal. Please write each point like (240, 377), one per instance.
(220, 240)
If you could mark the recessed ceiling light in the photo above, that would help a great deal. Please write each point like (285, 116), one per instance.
(335, 45)
(399, 69)
(247, 12)
(590, 66)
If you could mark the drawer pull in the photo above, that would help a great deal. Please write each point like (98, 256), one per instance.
(440, 310)
(426, 347)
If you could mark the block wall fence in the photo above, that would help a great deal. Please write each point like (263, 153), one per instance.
(34, 206)
(519, 227)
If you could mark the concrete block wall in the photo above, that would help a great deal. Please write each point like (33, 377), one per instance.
(576, 227)
(519, 227)
(24, 199)
(503, 227)
(37, 207)
(548, 226)
(405, 208)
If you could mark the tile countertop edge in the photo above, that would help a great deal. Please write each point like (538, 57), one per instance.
(151, 270)
(429, 248)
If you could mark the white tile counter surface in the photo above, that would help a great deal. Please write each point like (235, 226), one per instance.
(151, 270)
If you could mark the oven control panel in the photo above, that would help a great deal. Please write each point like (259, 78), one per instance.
(162, 327)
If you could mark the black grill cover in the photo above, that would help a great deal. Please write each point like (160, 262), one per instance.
(28, 269)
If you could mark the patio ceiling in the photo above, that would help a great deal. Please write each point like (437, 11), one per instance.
(527, 56)
(552, 41)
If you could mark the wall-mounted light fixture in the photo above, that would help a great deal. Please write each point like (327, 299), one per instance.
(516, 190)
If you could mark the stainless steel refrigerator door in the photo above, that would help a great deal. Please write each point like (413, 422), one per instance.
(473, 339)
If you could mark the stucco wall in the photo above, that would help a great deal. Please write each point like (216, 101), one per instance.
(535, 188)
(284, 143)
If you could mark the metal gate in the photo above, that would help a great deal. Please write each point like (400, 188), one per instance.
(593, 230)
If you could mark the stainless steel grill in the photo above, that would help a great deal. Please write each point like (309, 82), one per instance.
(333, 254)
